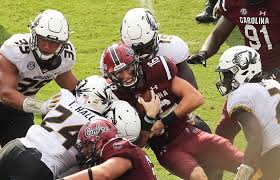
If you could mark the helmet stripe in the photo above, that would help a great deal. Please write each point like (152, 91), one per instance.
(114, 55)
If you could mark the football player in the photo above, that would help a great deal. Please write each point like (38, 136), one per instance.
(258, 23)
(178, 145)
(27, 63)
(47, 151)
(109, 157)
(255, 105)
(140, 30)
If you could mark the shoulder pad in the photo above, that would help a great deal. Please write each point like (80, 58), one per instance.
(176, 48)
(16, 47)
(69, 52)
(160, 67)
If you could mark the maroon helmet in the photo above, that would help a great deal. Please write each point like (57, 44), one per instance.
(118, 58)
(92, 137)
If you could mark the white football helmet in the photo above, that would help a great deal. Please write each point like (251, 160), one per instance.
(125, 118)
(94, 93)
(139, 30)
(52, 25)
(238, 65)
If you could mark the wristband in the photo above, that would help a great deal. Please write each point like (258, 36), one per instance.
(147, 124)
(169, 119)
(149, 119)
(31, 105)
(90, 174)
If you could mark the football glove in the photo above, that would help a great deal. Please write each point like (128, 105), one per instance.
(31, 105)
(199, 58)
(244, 172)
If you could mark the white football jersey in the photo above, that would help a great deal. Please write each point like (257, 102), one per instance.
(170, 46)
(262, 99)
(31, 76)
(173, 46)
(56, 136)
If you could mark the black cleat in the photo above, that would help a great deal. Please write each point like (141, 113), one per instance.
(205, 17)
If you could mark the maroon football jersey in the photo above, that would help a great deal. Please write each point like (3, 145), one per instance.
(142, 165)
(158, 74)
(259, 25)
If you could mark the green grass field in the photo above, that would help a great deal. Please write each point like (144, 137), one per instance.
(95, 25)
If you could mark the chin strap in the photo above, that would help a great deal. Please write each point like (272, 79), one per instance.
(90, 175)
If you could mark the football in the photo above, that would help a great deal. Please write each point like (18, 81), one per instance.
(147, 98)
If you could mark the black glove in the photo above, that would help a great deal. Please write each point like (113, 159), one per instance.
(199, 58)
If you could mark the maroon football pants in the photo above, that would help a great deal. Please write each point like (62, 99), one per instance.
(227, 127)
(193, 148)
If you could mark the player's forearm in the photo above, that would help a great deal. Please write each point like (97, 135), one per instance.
(253, 134)
(183, 112)
(12, 97)
(143, 138)
(211, 45)
(221, 32)
(188, 104)
(89, 174)
(253, 151)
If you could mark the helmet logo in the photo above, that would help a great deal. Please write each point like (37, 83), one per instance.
(151, 21)
(117, 146)
(96, 131)
(81, 88)
(36, 21)
(129, 51)
(244, 58)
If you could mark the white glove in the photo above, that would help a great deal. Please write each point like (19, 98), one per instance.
(36, 106)
(244, 172)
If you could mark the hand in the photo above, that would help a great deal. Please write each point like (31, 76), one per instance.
(50, 103)
(199, 58)
(152, 108)
(157, 129)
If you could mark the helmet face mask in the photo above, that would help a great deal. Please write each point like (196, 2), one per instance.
(50, 25)
(91, 139)
(226, 83)
(130, 69)
(94, 93)
(237, 65)
(148, 50)
(122, 66)
(139, 30)
(88, 154)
